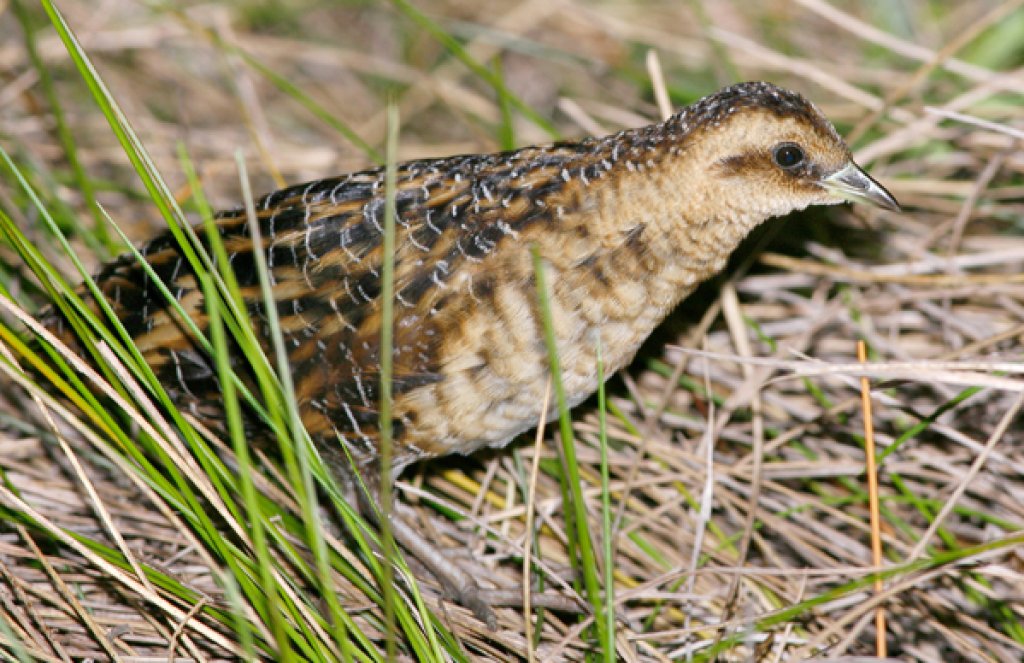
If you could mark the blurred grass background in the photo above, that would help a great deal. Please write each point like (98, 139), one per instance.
(930, 94)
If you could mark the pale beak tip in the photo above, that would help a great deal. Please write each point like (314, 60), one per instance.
(888, 203)
(886, 200)
(854, 184)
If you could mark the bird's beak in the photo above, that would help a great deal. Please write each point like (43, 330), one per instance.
(854, 184)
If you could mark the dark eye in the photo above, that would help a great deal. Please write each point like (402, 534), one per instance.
(787, 155)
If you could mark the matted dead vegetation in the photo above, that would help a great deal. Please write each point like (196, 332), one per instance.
(746, 398)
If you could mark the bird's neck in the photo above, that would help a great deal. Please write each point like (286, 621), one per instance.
(676, 221)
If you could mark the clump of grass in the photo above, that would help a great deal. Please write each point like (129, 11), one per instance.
(273, 588)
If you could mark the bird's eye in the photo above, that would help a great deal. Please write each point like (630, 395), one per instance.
(788, 155)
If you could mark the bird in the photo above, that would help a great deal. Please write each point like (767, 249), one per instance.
(625, 227)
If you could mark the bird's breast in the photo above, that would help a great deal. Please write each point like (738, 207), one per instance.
(493, 355)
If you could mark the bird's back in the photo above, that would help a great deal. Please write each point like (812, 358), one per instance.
(469, 359)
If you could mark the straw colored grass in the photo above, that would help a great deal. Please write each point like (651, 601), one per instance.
(738, 501)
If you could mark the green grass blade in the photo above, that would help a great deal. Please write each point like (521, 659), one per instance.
(584, 546)
(386, 366)
(607, 549)
(64, 134)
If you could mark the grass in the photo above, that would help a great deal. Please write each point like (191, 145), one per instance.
(123, 512)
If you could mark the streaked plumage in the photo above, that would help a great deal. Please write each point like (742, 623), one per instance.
(627, 225)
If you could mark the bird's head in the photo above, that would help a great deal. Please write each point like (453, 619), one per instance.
(770, 151)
